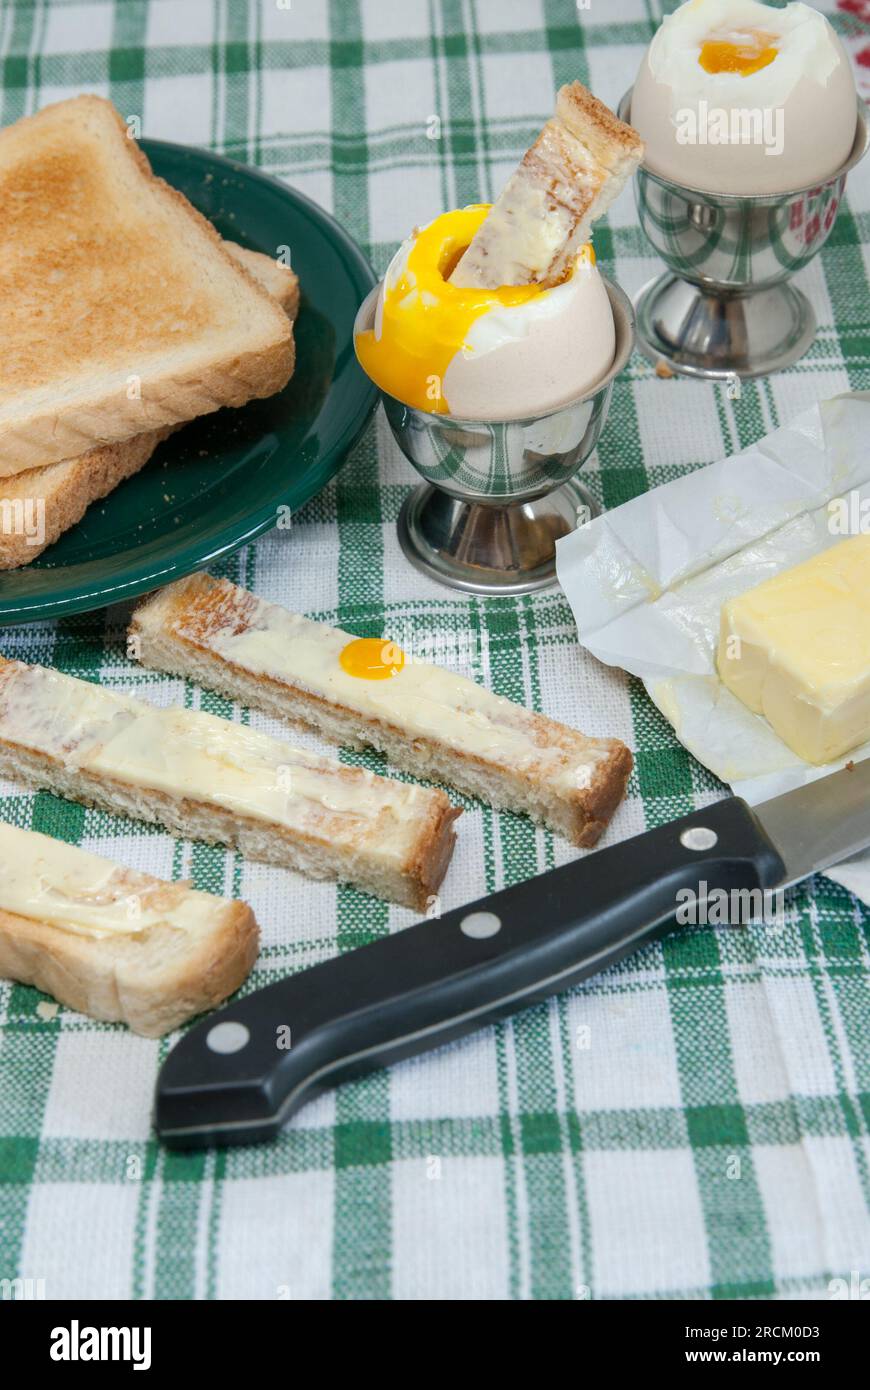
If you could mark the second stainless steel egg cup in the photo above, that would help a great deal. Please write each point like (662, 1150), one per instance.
(725, 308)
(498, 494)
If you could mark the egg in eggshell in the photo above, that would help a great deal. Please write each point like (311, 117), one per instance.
(738, 97)
(484, 354)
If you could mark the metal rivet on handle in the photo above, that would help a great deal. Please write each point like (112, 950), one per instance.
(228, 1037)
(479, 925)
(699, 838)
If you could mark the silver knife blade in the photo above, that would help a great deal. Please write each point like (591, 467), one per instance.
(817, 825)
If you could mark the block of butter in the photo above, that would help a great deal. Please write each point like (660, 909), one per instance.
(796, 649)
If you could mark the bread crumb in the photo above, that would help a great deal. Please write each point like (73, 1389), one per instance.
(663, 370)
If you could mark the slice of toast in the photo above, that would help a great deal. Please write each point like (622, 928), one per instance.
(428, 720)
(209, 779)
(122, 310)
(117, 945)
(579, 163)
(281, 282)
(38, 506)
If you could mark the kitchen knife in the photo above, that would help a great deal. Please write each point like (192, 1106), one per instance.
(241, 1073)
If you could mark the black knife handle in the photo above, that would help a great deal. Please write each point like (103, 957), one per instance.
(238, 1075)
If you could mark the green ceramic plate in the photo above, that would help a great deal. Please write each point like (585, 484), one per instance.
(221, 481)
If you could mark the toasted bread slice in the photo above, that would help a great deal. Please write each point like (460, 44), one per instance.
(122, 311)
(38, 506)
(118, 945)
(213, 780)
(281, 282)
(577, 166)
(427, 720)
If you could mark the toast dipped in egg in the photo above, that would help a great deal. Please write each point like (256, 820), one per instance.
(578, 165)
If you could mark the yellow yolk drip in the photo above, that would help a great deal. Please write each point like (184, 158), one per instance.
(371, 658)
(426, 320)
(746, 56)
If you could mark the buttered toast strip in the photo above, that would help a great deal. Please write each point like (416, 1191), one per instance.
(118, 945)
(122, 310)
(212, 780)
(428, 720)
(38, 506)
(579, 163)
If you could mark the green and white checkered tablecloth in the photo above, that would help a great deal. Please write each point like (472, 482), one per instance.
(693, 1123)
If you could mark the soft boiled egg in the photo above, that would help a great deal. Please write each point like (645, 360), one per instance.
(480, 354)
(738, 97)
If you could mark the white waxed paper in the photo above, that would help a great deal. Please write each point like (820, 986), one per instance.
(647, 581)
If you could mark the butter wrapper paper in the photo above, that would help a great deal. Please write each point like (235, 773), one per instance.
(647, 582)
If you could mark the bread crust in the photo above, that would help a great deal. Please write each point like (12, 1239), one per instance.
(112, 417)
(105, 413)
(601, 130)
(581, 816)
(67, 489)
(104, 979)
(279, 280)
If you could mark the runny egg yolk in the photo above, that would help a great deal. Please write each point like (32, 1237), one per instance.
(426, 320)
(745, 55)
(371, 659)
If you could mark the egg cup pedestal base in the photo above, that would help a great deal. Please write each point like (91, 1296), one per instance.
(487, 548)
(716, 336)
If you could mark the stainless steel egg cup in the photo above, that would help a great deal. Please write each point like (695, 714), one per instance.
(725, 308)
(499, 493)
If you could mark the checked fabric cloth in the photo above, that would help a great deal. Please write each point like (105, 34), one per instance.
(691, 1124)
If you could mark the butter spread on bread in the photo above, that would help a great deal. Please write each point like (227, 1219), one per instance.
(214, 780)
(113, 943)
(429, 720)
(51, 881)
